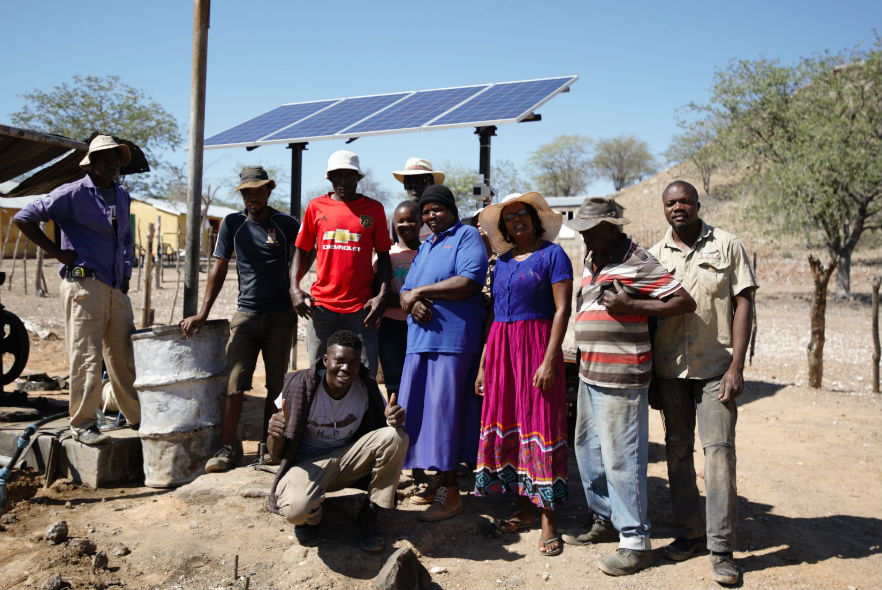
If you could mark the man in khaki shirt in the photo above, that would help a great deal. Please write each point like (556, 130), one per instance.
(699, 359)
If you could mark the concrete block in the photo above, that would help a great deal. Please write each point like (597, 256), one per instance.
(118, 462)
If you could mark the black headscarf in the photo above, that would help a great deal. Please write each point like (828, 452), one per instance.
(438, 193)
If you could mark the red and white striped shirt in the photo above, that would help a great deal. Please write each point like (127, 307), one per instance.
(614, 348)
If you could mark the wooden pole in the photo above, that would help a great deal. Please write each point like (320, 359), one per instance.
(201, 17)
(171, 317)
(14, 256)
(158, 278)
(148, 262)
(876, 352)
(6, 241)
(40, 282)
(138, 253)
(753, 318)
(24, 266)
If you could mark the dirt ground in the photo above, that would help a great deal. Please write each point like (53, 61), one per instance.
(809, 481)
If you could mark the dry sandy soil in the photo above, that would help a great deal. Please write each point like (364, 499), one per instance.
(809, 481)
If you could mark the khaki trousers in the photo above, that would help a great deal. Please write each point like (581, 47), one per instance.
(98, 326)
(378, 454)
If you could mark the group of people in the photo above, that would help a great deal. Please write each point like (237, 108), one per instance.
(469, 379)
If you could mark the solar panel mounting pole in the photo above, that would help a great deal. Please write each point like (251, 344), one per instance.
(297, 150)
(201, 13)
(484, 134)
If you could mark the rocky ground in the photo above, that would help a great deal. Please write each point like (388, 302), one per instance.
(809, 480)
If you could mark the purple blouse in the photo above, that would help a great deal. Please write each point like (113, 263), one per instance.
(522, 289)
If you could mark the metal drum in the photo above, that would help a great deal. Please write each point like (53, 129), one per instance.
(180, 383)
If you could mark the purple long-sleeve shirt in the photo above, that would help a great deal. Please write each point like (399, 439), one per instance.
(86, 226)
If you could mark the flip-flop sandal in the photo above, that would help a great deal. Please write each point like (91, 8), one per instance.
(515, 524)
(550, 552)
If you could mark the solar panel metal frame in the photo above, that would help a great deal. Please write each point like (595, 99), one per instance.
(566, 82)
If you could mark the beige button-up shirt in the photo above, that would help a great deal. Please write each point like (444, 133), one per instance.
(698, 345)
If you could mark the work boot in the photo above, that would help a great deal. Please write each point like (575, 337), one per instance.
(91, 436)
(447, 503)
(601, 531)
(427, 495)
(369, 538)
(625, 562)
(725, 570)
(683, 548)
(223, 460)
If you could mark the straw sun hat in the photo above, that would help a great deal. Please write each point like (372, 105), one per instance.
(418, 166)
(106, 142)
(489, 219)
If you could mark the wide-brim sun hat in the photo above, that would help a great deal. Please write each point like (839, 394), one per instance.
(596, 210)
(255, 177)
(418, 166)
(344, 160)
(106, 142)
(489, 219)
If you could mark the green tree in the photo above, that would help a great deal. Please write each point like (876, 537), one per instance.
(624, 160)
(460, 179)
(506, 179)
(562, 167)
(103, 104)
(697, 145)
(811, 135)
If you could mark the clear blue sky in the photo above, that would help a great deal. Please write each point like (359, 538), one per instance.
(637, 62)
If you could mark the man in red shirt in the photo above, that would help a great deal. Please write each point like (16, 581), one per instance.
(345, 228)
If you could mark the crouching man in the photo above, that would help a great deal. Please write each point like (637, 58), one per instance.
(333, 430)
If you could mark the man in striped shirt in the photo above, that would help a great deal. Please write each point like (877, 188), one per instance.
(622, 285)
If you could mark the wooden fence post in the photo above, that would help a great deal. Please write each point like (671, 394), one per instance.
(6, 241)
(158, 278)
(14, 256)
(40, 281)
(146, 319)
(753, 318)
(876, 352)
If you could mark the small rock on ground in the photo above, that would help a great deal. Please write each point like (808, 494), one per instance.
(99, 562)
(57, 532)
(82, 546)
(403, 571)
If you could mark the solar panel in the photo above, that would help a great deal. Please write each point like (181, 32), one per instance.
(338, 117)
(502, 102)
(417, 110)
(467, 106)
(260, 126)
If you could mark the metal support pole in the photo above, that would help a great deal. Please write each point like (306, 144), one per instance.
(201, 13)
(484, 134)
(297, 150)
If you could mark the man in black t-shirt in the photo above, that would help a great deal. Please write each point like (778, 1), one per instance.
(262, 239)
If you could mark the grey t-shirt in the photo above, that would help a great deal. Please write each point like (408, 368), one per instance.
(263, 253)
(332, 423)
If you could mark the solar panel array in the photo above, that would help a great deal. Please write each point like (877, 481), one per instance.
(466, 106)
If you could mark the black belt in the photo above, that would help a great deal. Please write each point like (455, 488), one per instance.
(79, 272)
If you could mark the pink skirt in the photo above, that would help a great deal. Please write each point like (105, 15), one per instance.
(523, 443)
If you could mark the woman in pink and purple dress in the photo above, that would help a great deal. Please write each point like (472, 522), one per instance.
(523, 441)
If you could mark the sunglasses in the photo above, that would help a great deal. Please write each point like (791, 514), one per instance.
(511, 216)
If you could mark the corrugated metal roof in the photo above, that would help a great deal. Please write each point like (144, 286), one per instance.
(24, 150)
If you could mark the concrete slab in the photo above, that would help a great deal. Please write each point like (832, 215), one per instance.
(118, 462)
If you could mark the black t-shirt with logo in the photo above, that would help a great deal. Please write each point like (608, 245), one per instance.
(263, 254)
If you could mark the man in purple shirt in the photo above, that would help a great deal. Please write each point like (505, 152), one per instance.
(96, 264)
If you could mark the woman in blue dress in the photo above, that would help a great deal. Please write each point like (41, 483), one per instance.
(442, 296)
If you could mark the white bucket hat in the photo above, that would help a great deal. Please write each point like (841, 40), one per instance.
(344, 160)
(415, 166)
(106, 142)
(489, 219)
